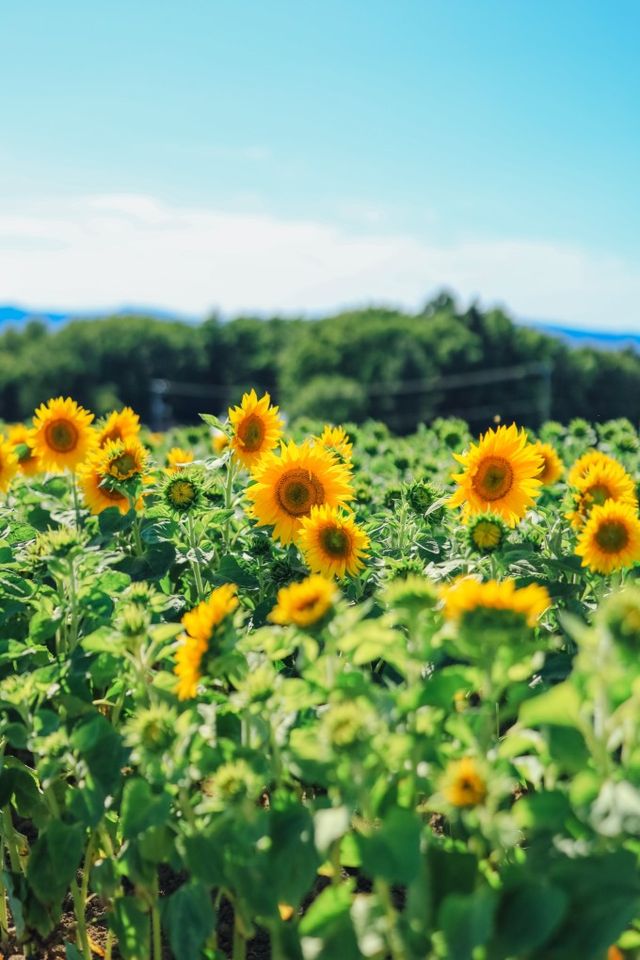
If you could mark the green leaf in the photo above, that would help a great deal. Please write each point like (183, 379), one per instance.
(528, 916)
(326, 910)
(141, 808)
(329, 825)
(54, 859)
(546, 812)
(559, 706)
(131, 926)
(71, 952)
(467, 922)
(189, 919)
(393, 852)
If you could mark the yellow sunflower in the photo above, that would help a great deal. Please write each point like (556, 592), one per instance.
(602, 482)
(200, 625)
(62, 436)
(304, 603)
(331, 542)
(219, 442)
(610, 539)
(8, 463)
(464, 785)
(552, 467)
(466, 595)
(21, 440)
(256, 428)
(289, 483)
(177, 459)
(96, 489)
(500, 474)
(123, 459)
(584, 463)
(119, 425)
(336, 439)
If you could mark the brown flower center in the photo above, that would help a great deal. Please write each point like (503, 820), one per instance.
(297, 491)
(251, 432)
(612, 536)
(335, 541)
(493, 478)
(61, 436)
(123, 467)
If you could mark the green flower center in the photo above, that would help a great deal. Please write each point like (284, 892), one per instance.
(335, 541)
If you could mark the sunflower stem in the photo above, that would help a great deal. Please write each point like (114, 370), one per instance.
(228, 499)
(76, 502)
(195, 563)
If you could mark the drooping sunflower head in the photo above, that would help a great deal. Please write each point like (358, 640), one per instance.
(331, 542)
(8, 463)
(584, 463)
(200, 625)
(178, 459)
(463, 784)
(21, 440)
(304, 603)
(500, 474)
(552, 467)
(256, 428)
(119, 425)
(62, 436)
(602, 482)
(98, 489)
(493, 603)
(610, 538)
(337, 440)
(290, 483)
(486, 533)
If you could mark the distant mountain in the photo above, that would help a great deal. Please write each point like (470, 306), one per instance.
(586, 338)
(16, 316)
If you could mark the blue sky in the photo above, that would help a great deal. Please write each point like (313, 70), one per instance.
(299, 156)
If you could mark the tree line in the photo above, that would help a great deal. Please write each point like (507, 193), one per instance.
(375, 362)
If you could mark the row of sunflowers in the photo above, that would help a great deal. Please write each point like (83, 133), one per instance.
(318, 692)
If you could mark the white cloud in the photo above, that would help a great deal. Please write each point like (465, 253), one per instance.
(104, 251)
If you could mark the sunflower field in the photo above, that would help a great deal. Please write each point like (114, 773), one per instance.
(317, 692)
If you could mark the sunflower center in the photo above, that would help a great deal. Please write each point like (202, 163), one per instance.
(61, 435)
(612, 536)
(335, 541)
(486, 534)
(113, 434)
(182, 493)
(599, 493)
(297, 491)
(493, 478)
(110, 492)
(123, 466)
(251, 432)
(308, 603)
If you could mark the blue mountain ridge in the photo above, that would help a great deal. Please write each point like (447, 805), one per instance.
(11, 315)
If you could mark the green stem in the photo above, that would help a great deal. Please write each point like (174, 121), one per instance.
(4, 913)
(396, 946)
(156, 932)
(76, 503)
(195, 563)
(239, 942)
(108, 947)
(228, 499)
(137, 542)
(80, 900)
(9, 833)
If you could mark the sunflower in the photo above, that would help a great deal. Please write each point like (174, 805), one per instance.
(97, 488)
(124, 459)
(256, 428)
(600, 483)
(219, 442)
(332, 543)
(467, 595)
(177, 459)
(500, 474)
(610, 539)
(62, 436)
(183, 492)
(200, 625)
(21, 440)
(304, 603)
(9, 464)
(584, 463)
(288, 484)
(119, 425)
(552, 468)
(486, 533)
(337, 440)
(464, 786)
